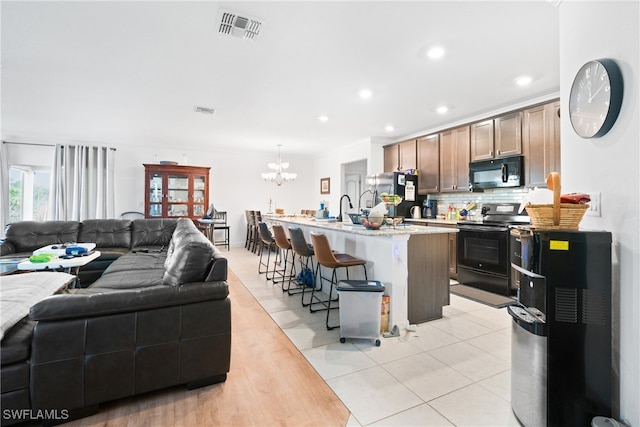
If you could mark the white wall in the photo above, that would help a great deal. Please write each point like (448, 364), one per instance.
(610, 165)
(235, 182)
(329, 164)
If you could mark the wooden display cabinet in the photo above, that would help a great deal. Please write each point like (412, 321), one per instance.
(175, 191)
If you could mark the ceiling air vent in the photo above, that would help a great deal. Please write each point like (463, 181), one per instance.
(204, 110)
(243, 27)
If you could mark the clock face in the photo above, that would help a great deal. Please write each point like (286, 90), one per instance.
(595, 98)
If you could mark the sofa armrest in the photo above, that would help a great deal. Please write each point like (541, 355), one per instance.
(97, 302)
(219, 267)
(7, 248)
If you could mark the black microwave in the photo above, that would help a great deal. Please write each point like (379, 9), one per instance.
(496, 173)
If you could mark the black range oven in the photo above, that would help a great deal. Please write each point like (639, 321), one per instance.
(483, 249)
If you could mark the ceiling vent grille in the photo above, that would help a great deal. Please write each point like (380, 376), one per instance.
(204, 110)
(243, 27)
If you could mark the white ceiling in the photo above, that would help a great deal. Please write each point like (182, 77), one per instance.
(132, 72)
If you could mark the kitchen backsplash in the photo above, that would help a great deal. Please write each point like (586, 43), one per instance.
(460, 200)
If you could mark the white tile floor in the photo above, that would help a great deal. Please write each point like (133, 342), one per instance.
(452, 371)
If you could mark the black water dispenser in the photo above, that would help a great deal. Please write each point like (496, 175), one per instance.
(561, 371)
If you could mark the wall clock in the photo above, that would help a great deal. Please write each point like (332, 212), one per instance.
(595, 98)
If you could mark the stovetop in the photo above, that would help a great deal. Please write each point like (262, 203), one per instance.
(501, 214)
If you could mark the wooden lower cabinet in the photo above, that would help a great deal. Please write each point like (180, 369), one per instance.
(453, 250)
(453, 255)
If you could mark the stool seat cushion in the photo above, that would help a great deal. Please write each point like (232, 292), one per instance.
(345, 260)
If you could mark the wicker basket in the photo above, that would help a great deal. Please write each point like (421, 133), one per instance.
(556, 216)
(570, 216)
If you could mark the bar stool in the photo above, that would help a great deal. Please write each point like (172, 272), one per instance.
(284, 247)
(266, 242)
(257, 219)
(251, 229)
(329, 259)
(305, 253)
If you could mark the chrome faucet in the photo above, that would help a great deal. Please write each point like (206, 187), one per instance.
(360, 199)
(340, 205)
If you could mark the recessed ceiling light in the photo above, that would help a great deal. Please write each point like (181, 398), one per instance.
(435, 52)
(523, 80)
(323, 118)
(442, 109)
(365, 94)
(389, 128)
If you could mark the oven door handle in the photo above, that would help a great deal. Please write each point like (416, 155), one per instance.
(481, 228)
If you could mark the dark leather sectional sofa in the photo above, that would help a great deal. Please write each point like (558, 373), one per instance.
(153, 312)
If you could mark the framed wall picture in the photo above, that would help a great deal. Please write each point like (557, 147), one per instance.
(325, 185)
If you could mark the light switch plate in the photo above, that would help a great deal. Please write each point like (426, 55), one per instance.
(594, 205)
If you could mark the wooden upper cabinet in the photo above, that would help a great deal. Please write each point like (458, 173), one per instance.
(428, 164)
(462, 156)
(454, 159)
(499, 137)
(391, 158)
(508, 134)
(482, 140)
(541, 143)
(400, 156)
(407, 155)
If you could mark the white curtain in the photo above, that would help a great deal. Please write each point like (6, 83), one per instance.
(82, 183)
(4, 188)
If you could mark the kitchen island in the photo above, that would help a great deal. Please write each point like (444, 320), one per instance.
(411, 261)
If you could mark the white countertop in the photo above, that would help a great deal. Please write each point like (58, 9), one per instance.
(428, 221)
(385, 230)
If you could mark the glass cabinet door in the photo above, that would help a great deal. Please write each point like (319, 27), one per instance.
(199, 208)
(175, 191)
(178, 195)
(155, 195)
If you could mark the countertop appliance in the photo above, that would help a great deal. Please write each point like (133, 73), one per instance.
(561, 330)
(496, 173)
(430, 208)
(401, 184)
(483, 248)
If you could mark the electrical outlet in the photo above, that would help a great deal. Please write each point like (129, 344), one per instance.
(594, 205)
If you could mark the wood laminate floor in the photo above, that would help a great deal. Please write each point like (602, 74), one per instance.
(270, 384)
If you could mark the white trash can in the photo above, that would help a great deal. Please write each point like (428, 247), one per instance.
(360, 306)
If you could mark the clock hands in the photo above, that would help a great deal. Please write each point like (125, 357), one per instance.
(596, 92)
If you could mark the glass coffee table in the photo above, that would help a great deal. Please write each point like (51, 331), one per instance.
(9, 265)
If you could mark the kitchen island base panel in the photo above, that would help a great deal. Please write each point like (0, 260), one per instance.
(428, 285)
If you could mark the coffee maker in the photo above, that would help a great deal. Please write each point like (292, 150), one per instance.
(429, 208)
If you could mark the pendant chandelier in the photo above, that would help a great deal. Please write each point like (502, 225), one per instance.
(279, 176)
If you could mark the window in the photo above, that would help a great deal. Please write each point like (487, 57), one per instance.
(28, 193)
